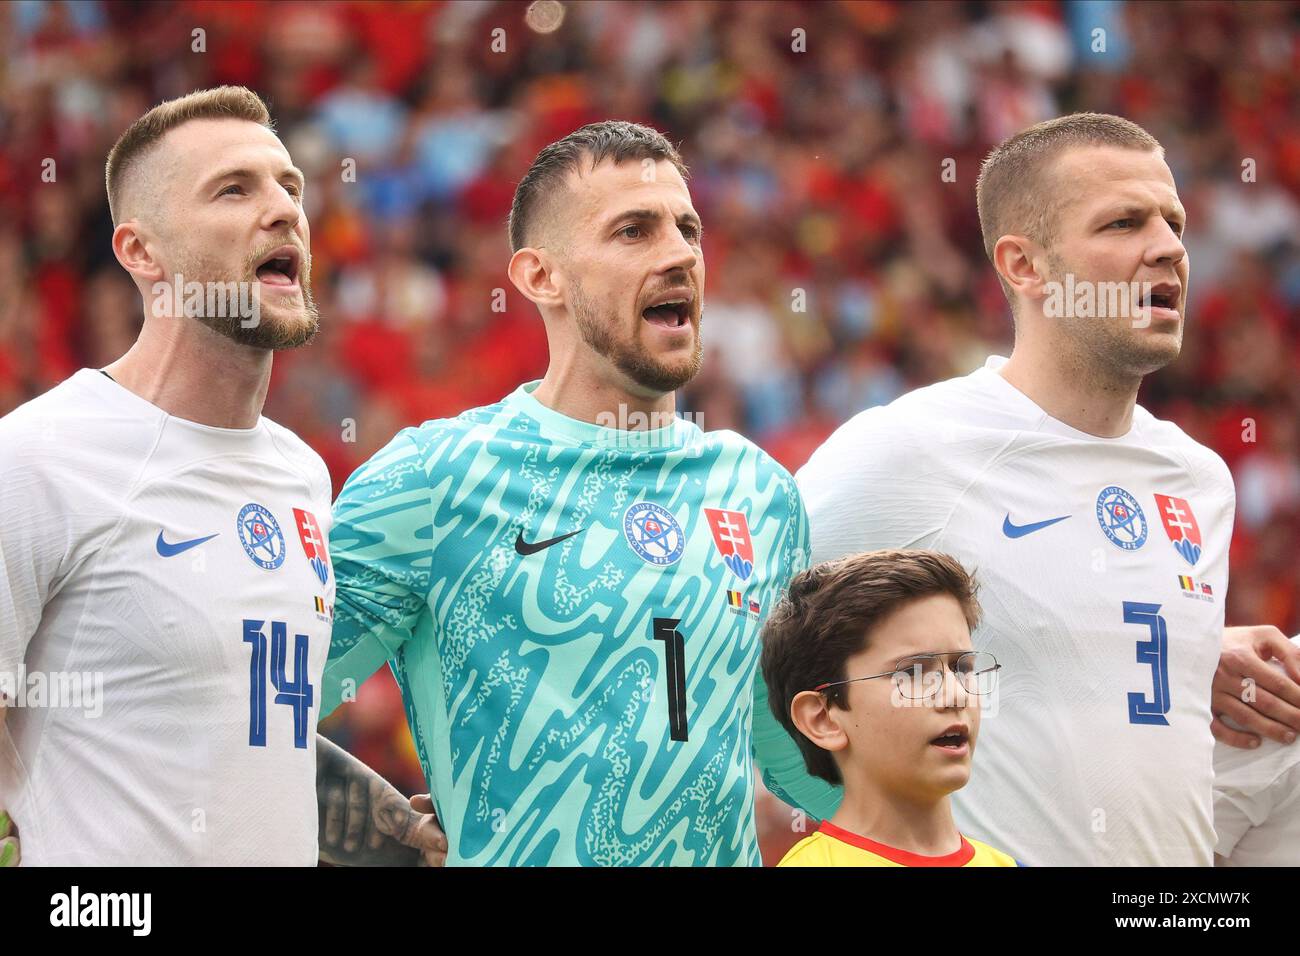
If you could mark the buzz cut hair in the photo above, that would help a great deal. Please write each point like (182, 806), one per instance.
(1016, 193)
(616, 140)
(137, 145)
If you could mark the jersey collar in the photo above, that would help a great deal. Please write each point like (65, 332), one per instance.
(959, 857)
(1045, 422)
(110, 389)
(553, 423)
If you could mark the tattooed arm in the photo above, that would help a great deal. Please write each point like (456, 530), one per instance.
(365, 821)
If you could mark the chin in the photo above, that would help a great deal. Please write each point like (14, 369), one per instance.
(1155, 350)
(294, 332)
(953, 780)
(274, 332)
(662, 376)
(939, 784)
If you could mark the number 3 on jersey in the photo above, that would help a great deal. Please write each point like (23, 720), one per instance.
(1155, 652)
(297, 694)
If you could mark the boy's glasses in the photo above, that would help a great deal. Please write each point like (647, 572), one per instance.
(921, 677)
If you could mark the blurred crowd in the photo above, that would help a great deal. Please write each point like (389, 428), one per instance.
(844, 268)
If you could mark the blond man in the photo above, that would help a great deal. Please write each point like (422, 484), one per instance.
(170, 573)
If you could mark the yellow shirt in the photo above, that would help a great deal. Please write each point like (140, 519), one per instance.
(833, 846)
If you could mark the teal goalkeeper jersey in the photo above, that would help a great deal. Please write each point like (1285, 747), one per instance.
(572, 613)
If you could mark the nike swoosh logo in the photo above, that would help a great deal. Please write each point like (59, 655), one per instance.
(171, 550)
(1020, 530)
(524, 548)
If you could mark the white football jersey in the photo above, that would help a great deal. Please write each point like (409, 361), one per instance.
(165, 606)
(1257, 803)
(1103, 566)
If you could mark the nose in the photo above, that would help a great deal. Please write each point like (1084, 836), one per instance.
(281, 211)
(1166, 249)
(953, 694)
(678, 254)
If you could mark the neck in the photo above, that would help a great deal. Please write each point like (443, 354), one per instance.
(1072, 391)
(579, 394)
(918, 825)
(194, 373)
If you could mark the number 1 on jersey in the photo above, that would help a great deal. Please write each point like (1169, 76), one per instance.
(665, 629)
(1154, 652)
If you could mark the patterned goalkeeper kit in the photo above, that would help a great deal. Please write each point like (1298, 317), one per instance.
(572, 612)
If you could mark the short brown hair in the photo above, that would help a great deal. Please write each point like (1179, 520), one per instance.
(1015, 193)
(128, 153)
(826, 617)
(616, 140)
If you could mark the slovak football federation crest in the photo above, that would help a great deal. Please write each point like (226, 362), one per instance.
(653, 533)
(313, 544)
(731, 535)
(261, 536)
(1121, 518)
(1180, 524)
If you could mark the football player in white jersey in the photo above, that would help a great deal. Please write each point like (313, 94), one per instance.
(1100, 532)
(165, 590)
(1257, 803)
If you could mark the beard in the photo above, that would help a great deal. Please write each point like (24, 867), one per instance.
(277, 327)
(631, 357)
(1110, 346)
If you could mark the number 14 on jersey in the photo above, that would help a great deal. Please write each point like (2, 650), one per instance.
(297, 694)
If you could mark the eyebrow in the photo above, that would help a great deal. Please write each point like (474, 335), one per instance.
(652, 215)
(293, 172)
(908, 657)
(1132, 210)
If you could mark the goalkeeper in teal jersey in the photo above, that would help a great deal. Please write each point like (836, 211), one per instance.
(572, 606)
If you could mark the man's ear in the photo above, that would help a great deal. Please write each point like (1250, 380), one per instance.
(132, 248)
(817, 721)
(1016, 258)
(534, 274)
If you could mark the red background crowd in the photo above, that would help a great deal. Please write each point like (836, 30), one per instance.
(844, 267)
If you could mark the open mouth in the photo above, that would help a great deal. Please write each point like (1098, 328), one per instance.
(669, 312)
(280, 267)
(953, 739)
(1161, 297)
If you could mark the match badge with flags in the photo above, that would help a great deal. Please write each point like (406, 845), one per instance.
(1180, 524)
(738, 603)
(731, 535)
(1197, 589)
(313, 543)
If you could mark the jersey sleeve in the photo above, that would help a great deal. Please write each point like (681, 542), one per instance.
(1232, 818)
(382, 555)
(1239, 806)
(779, 759)
(781, 763)
(869, 487)
(33, 540)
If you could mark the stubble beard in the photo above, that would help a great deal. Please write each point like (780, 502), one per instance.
(277, 327)
(1110, 349)
(630, 357)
